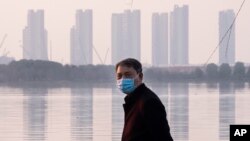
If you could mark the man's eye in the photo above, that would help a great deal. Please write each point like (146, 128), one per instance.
(128, 75)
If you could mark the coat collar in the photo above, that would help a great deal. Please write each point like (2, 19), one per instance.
(133, 95)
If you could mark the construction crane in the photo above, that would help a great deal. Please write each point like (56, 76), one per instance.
(5, 54)
(25, 51)
(106, 55)
(4, 37)
(2, 42)
(103, 61)
(129, 3)
(100, 59)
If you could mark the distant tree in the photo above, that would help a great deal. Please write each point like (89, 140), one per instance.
(150, 74)
(3, 71)
(248, 74)
(198, 74)
(225, 71)
(212, 71)
(239, 71)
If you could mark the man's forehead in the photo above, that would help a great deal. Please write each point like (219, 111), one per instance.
(124, 69)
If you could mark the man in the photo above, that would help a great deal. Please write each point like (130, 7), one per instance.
(145, 116)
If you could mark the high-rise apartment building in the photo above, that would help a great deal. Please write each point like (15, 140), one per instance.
(160, 39)
(81, 39)
(179, 39)
(227, 46)
(126, 38)
(35, 37)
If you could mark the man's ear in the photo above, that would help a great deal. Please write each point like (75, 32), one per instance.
(141, 75)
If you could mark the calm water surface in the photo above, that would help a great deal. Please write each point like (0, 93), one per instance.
(196, 112)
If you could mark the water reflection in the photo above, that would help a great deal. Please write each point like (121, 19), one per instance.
(226, 109)
(212, 86)
(96, 114)
(117, 114)
(102, 114)
(239, 85)
(81, 114)
(35, 113)
(179, 120)
(162, 91)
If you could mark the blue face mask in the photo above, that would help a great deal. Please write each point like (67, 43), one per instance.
(126, 85)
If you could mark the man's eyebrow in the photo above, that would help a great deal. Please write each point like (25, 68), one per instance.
(127, 72)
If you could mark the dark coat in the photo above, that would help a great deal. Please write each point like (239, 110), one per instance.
(145, 117)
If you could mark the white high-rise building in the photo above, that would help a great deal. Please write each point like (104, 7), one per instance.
(227, 47)
(81, 39)
(35, 37)
(126, 38)
(179, 39)
(160, 39)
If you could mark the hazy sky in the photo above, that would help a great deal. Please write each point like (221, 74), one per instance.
(60, 17)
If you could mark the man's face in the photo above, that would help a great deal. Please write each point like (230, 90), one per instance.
(128, 72)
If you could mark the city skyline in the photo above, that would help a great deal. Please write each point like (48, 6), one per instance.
(58, 20)
(126, 37)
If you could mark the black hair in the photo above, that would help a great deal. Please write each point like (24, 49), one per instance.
(130, 62)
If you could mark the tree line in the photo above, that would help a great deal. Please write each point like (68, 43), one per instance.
(38, 70)
(210, 72)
